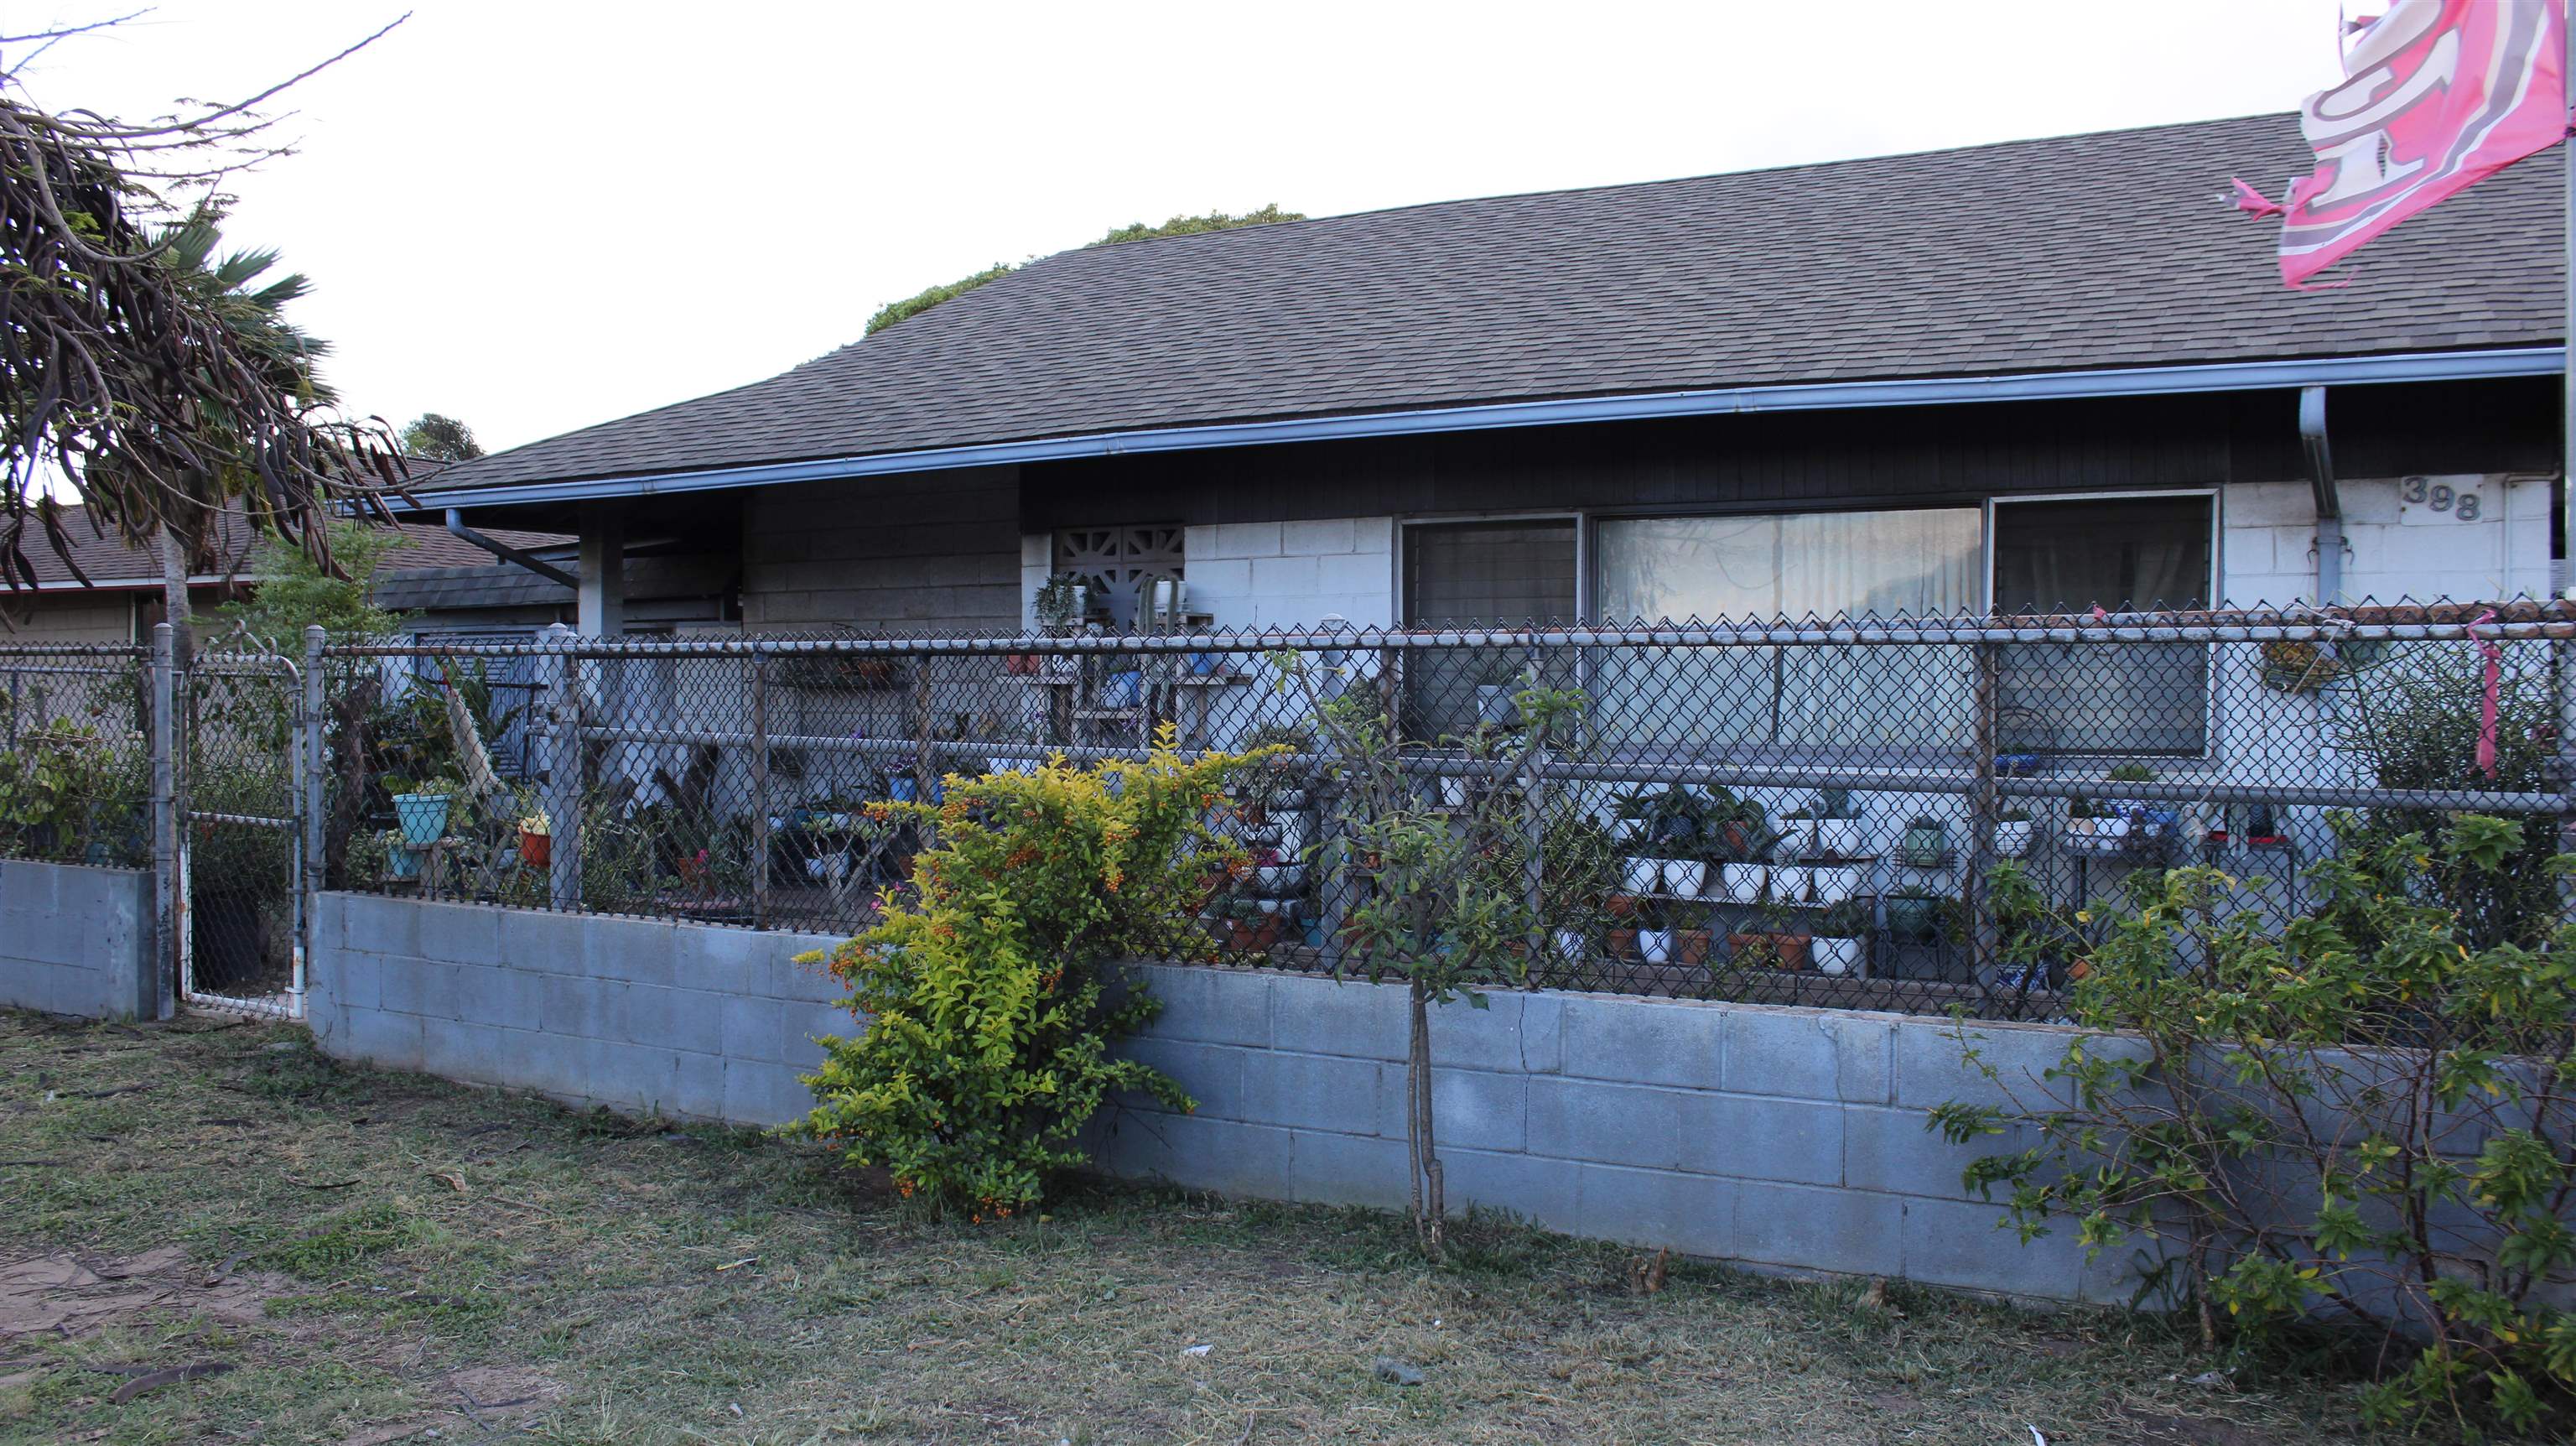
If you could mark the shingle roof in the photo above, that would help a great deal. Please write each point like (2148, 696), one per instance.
(2112, 249)
(109, 562)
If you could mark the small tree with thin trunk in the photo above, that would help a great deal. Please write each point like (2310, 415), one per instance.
(1444, 896)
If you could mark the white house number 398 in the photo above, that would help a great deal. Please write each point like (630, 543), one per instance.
(2441, 497)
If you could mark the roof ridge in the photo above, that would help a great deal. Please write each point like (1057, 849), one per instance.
(1609, 186)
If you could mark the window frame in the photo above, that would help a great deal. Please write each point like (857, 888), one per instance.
(1587, 519)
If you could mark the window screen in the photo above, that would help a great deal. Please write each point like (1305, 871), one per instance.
(1471, 574)
(1477, 573)
(2114, 553)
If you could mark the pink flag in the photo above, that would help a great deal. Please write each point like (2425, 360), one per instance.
(2440, 95)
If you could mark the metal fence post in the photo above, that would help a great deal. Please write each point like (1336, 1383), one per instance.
(1975, 920)
(759, 791)
(559, 684)
(169, 887)
(312, 762)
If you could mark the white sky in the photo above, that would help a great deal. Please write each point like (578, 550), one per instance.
(539, 215)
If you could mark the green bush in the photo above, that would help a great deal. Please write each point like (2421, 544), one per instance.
(987, 1043)
(2366, 1115)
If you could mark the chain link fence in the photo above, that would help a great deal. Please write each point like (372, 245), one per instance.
(75, 756)
(1805, 812)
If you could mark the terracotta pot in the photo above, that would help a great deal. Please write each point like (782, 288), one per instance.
(1790, 950)
(1622, 943)
(535, 849)
(1622, 906)
(1690, 946)
(1753, 950)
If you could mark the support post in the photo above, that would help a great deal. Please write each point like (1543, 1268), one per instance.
(169, 883)
(559, 682)
(1975, 926)
(759, 791)
(600, 595)
(311, 796)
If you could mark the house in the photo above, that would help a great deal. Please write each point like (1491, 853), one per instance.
(442, 584)
(2058, 371)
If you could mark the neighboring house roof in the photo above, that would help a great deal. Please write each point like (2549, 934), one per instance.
(111, 565)
(2117, 249)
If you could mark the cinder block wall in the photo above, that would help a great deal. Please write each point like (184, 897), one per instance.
(77, 940)
(1778, 1137)
(683, 1020)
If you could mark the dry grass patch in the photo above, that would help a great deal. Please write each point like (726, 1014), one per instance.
(422, 1257)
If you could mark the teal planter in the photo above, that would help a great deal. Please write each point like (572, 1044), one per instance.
(423, 816)
(1923, 845)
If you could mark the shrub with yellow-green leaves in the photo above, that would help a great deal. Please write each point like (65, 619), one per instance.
(989, 1025)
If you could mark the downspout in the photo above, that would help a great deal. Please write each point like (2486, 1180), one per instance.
(2312, 437)
(456, 526)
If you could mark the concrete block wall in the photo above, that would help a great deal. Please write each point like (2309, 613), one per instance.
(2394, 548)
(1787, 1138)
(689, 1021)
(77, 940)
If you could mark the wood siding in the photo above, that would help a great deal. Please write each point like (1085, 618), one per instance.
(1901, 454)
(903, 553)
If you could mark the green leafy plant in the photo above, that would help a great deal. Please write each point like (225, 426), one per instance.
(69, 791)
(1447, 899)
(2364, 1115)
(988, 1023)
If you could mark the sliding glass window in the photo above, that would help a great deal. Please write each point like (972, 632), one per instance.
(1916, 563)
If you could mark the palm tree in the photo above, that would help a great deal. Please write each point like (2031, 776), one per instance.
(283, 354)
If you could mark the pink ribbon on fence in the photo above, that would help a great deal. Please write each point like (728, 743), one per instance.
(2493, 652)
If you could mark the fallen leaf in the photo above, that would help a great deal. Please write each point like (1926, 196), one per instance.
(452, 1177)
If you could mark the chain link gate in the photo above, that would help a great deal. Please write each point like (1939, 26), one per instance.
(241, 932)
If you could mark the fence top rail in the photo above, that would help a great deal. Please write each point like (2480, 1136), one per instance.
(2499, 622)
(13, 652)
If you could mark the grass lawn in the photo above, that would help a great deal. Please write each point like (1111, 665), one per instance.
(381, 1256)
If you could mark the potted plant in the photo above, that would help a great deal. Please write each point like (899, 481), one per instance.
(2012, 833)
(2146, 820)
(1833, 883)
(1744, 883)
(1062, 601)
(1790, 883)
(401, 860)
(1798, 833)
(536, 840)
(1686, 931)
(422, 812)
(1842, 939)
(1841, 832)
(1914, 914)
(1926, 840)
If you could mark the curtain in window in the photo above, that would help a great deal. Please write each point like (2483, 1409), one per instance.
(1915, 563)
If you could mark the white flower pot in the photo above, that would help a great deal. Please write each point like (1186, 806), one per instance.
(1570, 946)
(1834, 883)
(1655, 945)
(1645, 876)
(1745, 882)
(1798, 837)
(1685, 877)
(1790, 882)
(1845, 838)
(1453, 792)
(1836, 956)
(2012, 838)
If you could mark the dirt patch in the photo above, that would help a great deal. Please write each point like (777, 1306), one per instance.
(71, 1293)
